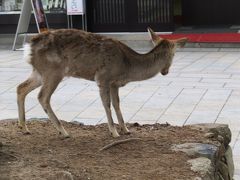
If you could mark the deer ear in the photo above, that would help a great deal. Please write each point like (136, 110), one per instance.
(154, 37)
(181, 42)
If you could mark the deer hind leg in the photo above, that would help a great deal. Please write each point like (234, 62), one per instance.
(105, 97)
(115, 103)
(50, 83)
(23, 89)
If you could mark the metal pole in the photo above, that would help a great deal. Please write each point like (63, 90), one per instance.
(83, 24)
(71, 21)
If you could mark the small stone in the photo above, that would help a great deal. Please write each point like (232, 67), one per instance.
(220, 139)
(1, 144)
(197, 178)
(43, 165)
(136, 124)
(209, 135)
(203, 166)
(77, 123)
(64, 175)
(61, 175)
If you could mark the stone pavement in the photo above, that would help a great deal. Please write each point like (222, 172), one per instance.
(202, 87)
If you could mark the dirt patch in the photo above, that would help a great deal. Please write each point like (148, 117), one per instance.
(45, 154)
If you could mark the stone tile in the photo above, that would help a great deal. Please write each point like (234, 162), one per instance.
(236, 148)
(36, 112)
(8, 114)
(202, 117)
(196, 84)
(206, 75)
(173, 119)
(216, 80)
(217, 95)
(92, 112)
(181, 79)
(87, 121)
(231, 85)
(199, 65)
(221, 64)
(236, 177)
(182, 106)
(67, 116)
(215, 54)
(141, 122)
(237, 165)
(147, 114)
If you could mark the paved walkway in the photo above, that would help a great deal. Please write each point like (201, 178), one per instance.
(203, 87)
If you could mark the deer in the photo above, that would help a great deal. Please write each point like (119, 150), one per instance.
(61, 53)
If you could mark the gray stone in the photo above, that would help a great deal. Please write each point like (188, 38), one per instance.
(223, 170)
(197, 178)
(197, 149)
(216, 129)
(61, 175)
(203, 166)
(213, 160)
(229, 161)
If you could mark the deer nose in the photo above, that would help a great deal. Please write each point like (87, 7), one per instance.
(164, 72)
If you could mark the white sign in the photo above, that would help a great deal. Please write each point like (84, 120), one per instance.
(75, 7)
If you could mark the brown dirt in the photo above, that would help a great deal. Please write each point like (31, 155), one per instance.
(45, 154)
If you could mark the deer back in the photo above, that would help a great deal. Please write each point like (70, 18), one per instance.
(76, 53)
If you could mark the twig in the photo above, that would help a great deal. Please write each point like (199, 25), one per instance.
(10, 155)
(118, 142)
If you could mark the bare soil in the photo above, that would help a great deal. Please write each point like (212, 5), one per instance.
(46, 155)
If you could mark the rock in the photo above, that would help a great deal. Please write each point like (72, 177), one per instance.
(213, 161)
(209, 135)
(216, 129)
(1, 144)
(203, 166)
(197, 149)
(223, 170)
(197, 178)
(226, 165)
(77, 123)
(61, 175)
(229, 161)
(43, 165)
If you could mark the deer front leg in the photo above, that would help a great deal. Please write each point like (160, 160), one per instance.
(105, 97)
(23, 89)
(115, 103)
(49, 85)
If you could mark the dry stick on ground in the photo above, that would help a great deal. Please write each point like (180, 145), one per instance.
(8, 154)
(118, 142)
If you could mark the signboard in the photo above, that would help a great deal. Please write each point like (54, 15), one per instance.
(75, 7)
(40, 16)
(24, 19)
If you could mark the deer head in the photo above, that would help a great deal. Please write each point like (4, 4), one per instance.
(167, 50)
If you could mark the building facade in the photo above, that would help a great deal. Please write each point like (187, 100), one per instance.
(131, 15)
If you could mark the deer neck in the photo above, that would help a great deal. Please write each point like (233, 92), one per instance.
(144, 66)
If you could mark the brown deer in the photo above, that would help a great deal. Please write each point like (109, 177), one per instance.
(67, 52)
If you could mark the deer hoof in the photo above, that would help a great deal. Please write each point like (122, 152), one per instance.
(125, 130)
(65, 134)
(24, 129)
(62, 131)
(115, 134)
(27, 133)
